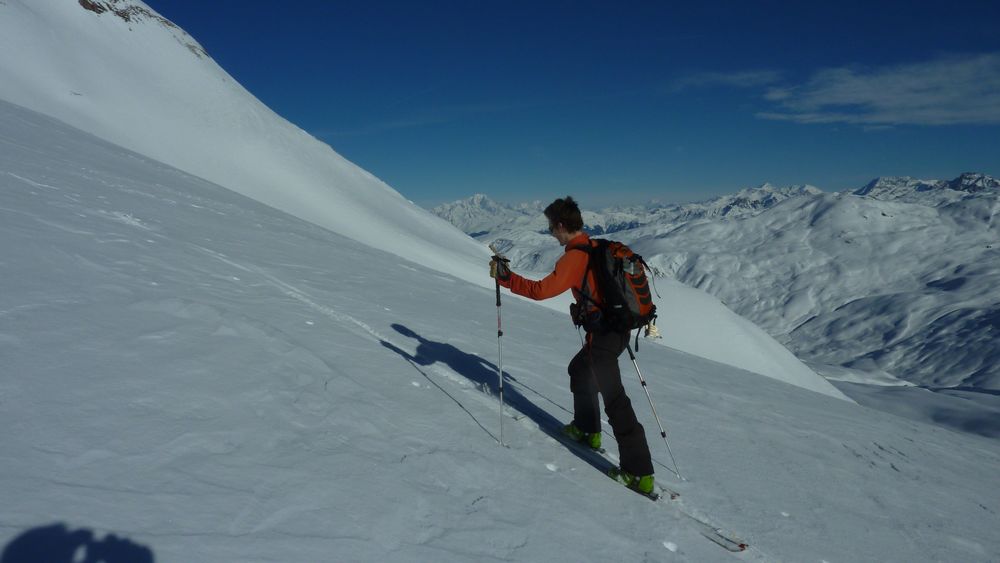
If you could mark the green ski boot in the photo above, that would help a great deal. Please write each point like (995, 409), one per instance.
(592, 441)
(640, 484)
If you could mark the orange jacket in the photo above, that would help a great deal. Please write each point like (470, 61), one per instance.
(568, 274)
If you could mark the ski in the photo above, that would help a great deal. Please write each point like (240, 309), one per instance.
(600, 460)
(725, 540)
(666, 493)
(653, 496)
(662, 495)
(659, 493)
(716, 535)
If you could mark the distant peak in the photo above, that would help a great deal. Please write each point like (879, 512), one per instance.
(895, 186)
(769, 190)
(974, 182)
(476, 200)
(475, 203)
(892, 184)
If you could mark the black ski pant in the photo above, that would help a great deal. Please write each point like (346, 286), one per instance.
(594, 370)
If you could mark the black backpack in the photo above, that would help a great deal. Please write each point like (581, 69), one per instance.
(621, 280)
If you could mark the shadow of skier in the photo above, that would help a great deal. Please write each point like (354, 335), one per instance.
(479, 371)
(58, 544)
(484, 374)
(474, 368)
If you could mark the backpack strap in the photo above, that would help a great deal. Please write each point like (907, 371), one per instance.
(584, 289)
(652, 281)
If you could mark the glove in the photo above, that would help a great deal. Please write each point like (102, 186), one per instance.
(500, 268)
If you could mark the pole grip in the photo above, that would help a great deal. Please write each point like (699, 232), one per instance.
(498, 258)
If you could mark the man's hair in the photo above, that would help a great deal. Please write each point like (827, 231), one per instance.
(566, 212)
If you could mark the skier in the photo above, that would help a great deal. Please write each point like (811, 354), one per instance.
(594, 369)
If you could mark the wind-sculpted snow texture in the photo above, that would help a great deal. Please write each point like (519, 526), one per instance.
(215, 380)
(899, 276)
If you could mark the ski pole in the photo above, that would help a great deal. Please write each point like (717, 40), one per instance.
(500, 360)
(497, 256)
(663, 433)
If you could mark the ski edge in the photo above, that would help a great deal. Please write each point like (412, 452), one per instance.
(728, 543)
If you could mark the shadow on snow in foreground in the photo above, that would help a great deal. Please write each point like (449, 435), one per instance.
(58, 544)
(484, 374)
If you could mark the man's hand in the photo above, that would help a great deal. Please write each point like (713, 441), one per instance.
(500, 268)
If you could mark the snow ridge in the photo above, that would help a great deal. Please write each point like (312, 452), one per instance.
(928, 192)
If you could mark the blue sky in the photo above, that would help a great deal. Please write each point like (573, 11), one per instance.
(621, 101)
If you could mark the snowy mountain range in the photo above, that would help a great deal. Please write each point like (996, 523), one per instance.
(480, 217)
(928, 191)
(221, 341)
(899, 276)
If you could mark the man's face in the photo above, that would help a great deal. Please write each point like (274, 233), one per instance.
(559, 232)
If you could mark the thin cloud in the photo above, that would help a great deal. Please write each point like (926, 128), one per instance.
(742, 79)
(951, 90)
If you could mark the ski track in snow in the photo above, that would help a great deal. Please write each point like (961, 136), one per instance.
(298, 295)
(30, 182)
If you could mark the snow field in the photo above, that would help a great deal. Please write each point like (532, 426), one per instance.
(219, 381)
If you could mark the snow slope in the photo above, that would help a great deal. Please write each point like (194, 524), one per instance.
(145, 84)
(142, 83)
(215, 380)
